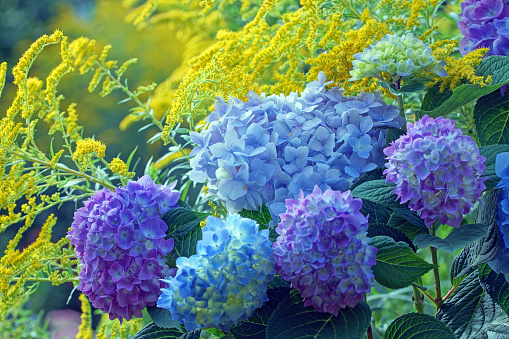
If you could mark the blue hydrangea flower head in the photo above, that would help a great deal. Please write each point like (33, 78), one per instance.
(226, 280)
(484, 24)
(119, 240)
(267, 149)
(501, 263)
(397, 56)
(323, 250)
(437, 170)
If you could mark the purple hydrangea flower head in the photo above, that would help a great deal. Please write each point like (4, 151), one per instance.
(267, 149)
(437, 170)
(226, 280)
(323, 250)
(484, 24)
(501, 263)
(119, 240)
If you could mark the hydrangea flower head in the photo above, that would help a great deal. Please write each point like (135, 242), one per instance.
(322, 249)
(484, 24)
(267, 149)
(119, 240)
(226, 280)
(397, 56)
(501, 263)
(437, 170)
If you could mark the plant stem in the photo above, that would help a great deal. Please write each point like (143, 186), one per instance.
(369, 332)
(418, 300)
(436, 273)
(401, 105)
(451, 291)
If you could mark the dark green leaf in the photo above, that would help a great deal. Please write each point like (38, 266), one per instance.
(499, 329)
(256, 326)
(162, 317)
(392, 232)
(497, 66)
(491, 119)
(496, 285)
(469, 310)
(371, 175)
(393, 134)
(262, 217)
(277, 282)
(292, 320)
(377, 213)
(377, 191)
(152, 331)
(397, 265)
(412, 217)
(404, 225)
(185, 247)
(462, 264)
(418, 326)
(434, 98)
(181, 221)
(491, 152)
(457, 239)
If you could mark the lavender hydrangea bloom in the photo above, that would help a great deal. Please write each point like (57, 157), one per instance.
(322, 249)
(501, 263)
(267, 149)
(226, 280)
(119, 240)
(484, 23)
(437, 170)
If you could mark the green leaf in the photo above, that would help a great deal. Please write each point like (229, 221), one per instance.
(185, 247)
(497, 66)
(491, 119)
(457, 239)
(371, 175)
(292, 320)
(397, 265)
(393, 134)
(377, 191)
(256, 326)
(181, 221)
(277, 282)
(162, 317)
(410, 228)
(499, 329)
(392, 232)
(152, 331)
(496, 285)
(262, 217)
(462, 264)
(434, 98)
(128, 162)
(461, 96)
(491, 152)
(377, 213)
(469, 310)
(418, 326)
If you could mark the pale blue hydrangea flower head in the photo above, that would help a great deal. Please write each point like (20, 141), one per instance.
(398, 56)
(437, 170)
(323, 250)
(120, 241)
(267, 149)
(226, 280)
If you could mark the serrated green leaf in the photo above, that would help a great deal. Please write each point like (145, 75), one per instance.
(397, 265)
(371, 175)
(162, 317)
(377, 213)
(393, 134)
(418, 326)
(497, 66)
(434, 98)
(377, 191)
(262, 217)
(186, 246)
(462, 263)
(152, 331)
(181, 221)
(292, 320)
(496, 285)
(392, 232)
(457, 239)
(491, 119)
(470, 310)
(499, 329)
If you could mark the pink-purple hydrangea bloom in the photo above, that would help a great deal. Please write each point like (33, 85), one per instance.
(226, 280)
(437, 170)
(323, 249)
(119, 239)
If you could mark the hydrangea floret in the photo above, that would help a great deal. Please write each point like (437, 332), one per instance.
(484, 24)
(398, 57)
(501, 263)
(437, 170)
(267, 149)
(226, 280)
(119, 239)
(323, 250)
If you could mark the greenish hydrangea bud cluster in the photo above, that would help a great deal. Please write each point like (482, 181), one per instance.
(397, 56)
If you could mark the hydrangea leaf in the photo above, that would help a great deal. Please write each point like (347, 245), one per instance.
(434, 98)
(382, 229)
(162, 317)
(418, 326)
(491, 119)
(397, 265)
(292, 319)
(485, 249)
(186, 246)
(256, 326)
(371, 175)
(497, 66)
(470, 310)
(262, 217)
(499, 329)
(457, 239)
(377, 191)
(181, 221)
(410, 229)
(393, 134)
(377, 213)
(496, 285)
(463, 262)
(152, 331)
(490, 152)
